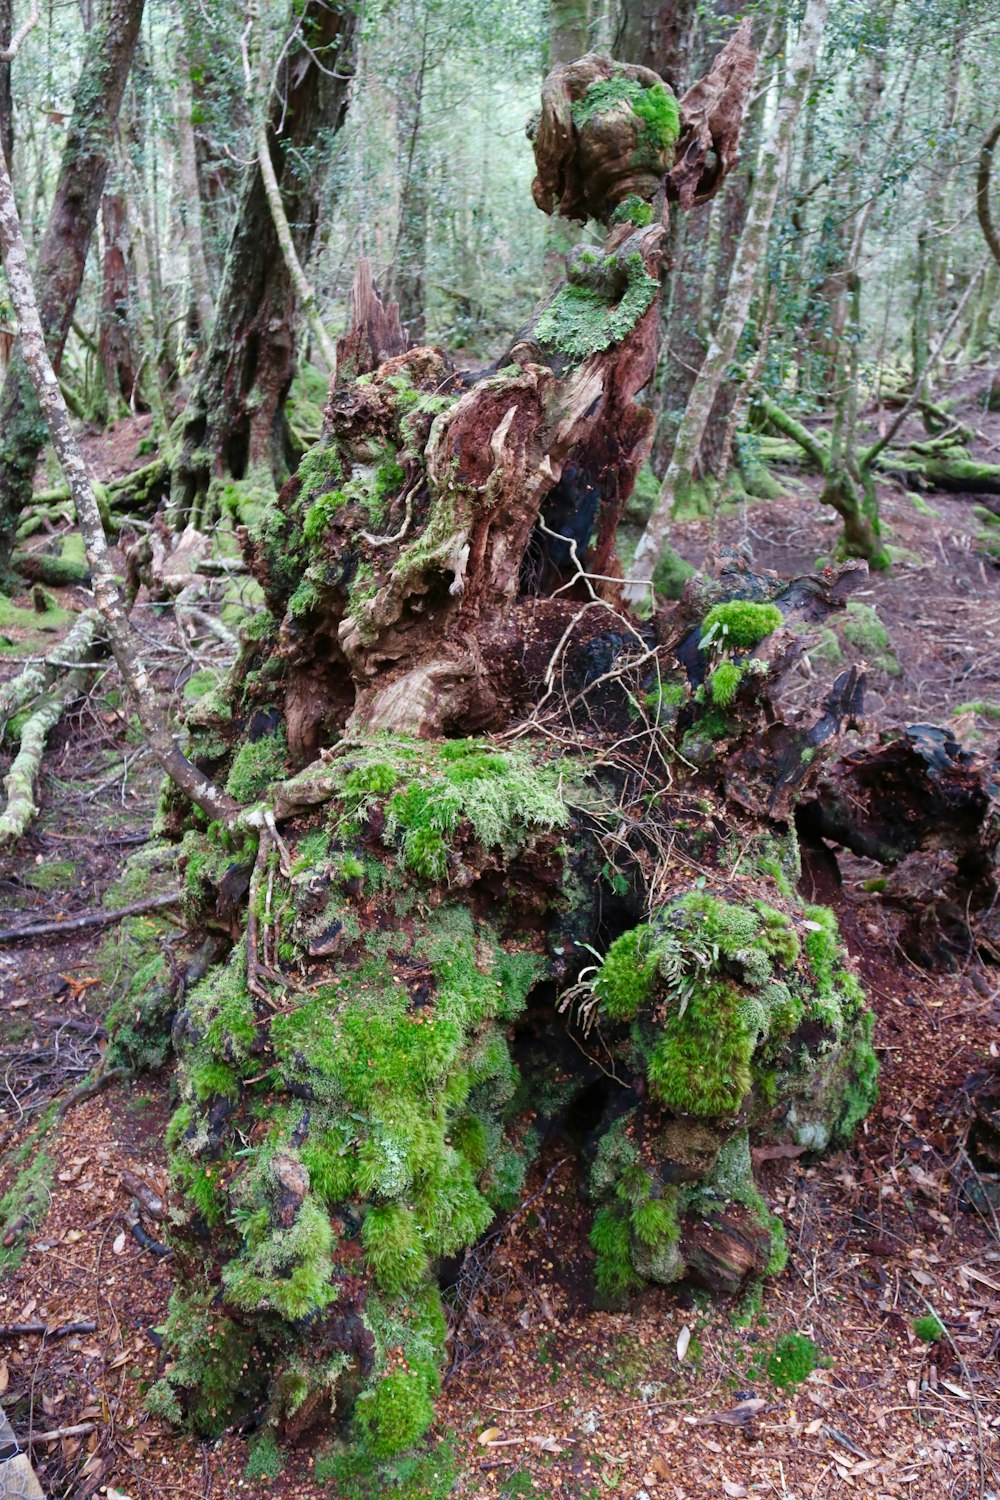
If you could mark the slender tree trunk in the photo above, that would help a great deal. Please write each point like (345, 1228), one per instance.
(234, 424)
(407, 286)
(657, 34)
(6, 97)
(63, 252)
(191, 200)
(753, 242)
(118, 349)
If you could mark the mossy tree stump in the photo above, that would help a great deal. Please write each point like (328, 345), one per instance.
(433, 850)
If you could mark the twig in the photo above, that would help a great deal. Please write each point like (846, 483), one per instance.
(21, 1330)
(90, 919)
(77, 1430)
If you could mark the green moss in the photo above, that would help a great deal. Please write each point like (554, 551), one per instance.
(929, 1329)
(257, 764)
(793, 1360)
(394, 1248)
(988, 711)
(633, 210)
(864, 630)
(671, 573)
(26, 1202)
(265, 1460)
(613, 1270)
(723, 682)
(655, 106)
(581, 321)
(628, 973)
(739, 624)
(211, 1380)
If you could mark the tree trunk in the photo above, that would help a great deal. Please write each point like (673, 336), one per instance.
(657, 34)
(234, 425)
(191, 200)
(753, 242)
(407, 284)
(118, 352)
(6, 97)
(569, 30)
(62, 254)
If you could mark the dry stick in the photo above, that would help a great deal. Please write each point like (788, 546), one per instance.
(90, 919)
(121, 635)
(77, 1430)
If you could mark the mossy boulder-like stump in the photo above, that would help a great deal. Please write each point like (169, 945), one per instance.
(503, 847)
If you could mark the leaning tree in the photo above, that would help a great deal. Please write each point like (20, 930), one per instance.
(504, 854)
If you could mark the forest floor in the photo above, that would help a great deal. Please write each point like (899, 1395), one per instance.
(551, 1398)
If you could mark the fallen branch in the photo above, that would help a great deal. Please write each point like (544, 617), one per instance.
(20, 779)
(72, 649)
(90, 919)
(79, 1429)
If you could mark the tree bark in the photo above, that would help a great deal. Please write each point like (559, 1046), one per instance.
(191, 200)
(753, 242)
(408, 280)
(62, 254)
(6, 97)
(117, 348)
(234, 426)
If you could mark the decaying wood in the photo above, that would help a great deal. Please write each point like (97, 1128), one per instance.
(712, 114)
(375, 332)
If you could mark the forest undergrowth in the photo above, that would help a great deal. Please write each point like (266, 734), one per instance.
(870, 1363)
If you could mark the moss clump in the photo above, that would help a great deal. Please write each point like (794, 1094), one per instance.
(723, 682)
(929, 1329)
(865, 631)
(266, 1460)
(633, 210)
(257, 764)
(671, 573)
(739, 624)
(26, 1201)
(628, 974)
(613, 1270)
(581, 320)
(988, 711)
(655, 106)
(793, 1360)
(398, 1412)
(211, 1379)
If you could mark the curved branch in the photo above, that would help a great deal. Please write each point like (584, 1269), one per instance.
(983, 192)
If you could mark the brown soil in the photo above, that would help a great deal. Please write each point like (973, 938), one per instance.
(580, 1403)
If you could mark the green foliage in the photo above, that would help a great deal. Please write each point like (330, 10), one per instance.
(581, 321)
(738, 623)
(929, 1329)
(211, 1379)
(793, 1360)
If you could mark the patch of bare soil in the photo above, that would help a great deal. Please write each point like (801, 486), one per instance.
(547, 1397)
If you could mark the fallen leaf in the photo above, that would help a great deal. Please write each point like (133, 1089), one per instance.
(956, 1390)
(119, 1244)
(4, 1376)
(736, 1491)
(683, 1340)
(489, 1435)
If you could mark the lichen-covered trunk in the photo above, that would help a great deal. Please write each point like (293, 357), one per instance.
(62, 254)
(233, 427)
